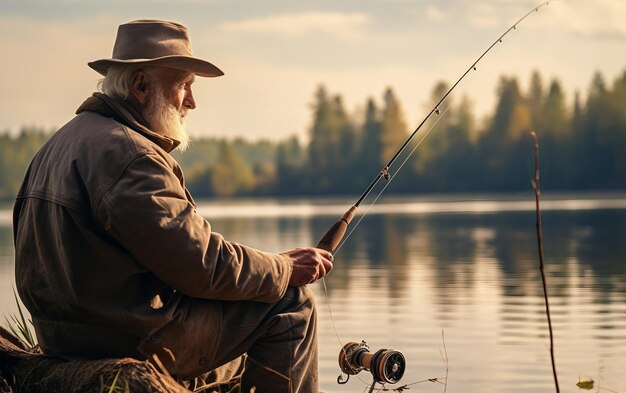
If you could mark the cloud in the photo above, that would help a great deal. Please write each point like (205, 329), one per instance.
(598, 20)
(483, 15)
(342, 25)
(435, 14)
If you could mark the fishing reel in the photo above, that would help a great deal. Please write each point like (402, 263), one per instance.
(386, 365)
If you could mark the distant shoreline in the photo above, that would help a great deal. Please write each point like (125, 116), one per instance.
(414, 204)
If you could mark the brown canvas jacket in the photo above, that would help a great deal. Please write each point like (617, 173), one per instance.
(109, 244)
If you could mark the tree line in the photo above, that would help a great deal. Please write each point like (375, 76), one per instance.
(582, 146)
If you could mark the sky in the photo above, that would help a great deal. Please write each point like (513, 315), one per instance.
(275, 53)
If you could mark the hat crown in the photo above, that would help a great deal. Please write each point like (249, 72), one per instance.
(151, 39)
(155, 42)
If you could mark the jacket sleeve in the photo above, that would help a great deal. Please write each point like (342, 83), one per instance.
(146, 210)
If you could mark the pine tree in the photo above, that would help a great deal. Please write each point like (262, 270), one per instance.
(536, 100)
(345, 150)
(332, 146)
(503, 147)
(458, 162)
(393, 126)
(596, 160)
(370, 153)
(554, 113)
(321, 160)
(555, 137)
(435, 144)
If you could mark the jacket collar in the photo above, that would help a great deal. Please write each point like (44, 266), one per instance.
(127, 115)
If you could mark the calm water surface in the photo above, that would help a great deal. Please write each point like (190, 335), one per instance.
(417, 268)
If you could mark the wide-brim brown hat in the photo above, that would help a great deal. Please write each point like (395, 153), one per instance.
(155, 42)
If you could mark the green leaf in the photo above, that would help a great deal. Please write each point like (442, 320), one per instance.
(19, 326)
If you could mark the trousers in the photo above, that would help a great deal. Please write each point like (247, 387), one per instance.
(257, 347)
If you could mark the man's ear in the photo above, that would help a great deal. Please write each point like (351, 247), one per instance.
(138, 87)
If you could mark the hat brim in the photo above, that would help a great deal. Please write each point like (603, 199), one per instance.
(185, 63)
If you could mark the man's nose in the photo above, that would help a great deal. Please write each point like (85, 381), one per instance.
(189, 101)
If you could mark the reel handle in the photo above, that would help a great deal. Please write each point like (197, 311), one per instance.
(331, 239)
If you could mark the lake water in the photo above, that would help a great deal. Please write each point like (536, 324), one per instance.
(421, 272)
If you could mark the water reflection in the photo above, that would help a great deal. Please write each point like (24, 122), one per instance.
(402, 278)
(478, 273)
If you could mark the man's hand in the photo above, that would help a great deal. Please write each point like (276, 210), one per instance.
(309, 265)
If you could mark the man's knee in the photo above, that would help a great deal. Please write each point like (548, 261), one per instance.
(309, 297)
(287, 352)
(302, 298)
(299, 307)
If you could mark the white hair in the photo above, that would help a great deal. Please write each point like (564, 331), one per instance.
(118, 80)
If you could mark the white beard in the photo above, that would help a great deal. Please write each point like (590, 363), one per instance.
(165, 120)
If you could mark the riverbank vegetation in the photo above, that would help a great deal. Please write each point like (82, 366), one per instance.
(582, 146)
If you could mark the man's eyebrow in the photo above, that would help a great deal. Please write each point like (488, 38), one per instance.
(184, 77)
(188, 78)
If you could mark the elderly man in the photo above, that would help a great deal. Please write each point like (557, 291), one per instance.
(112, 259)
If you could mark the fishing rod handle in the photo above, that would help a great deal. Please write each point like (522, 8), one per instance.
(333, 237)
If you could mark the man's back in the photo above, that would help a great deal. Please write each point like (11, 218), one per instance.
(109, 244)
(77, 281)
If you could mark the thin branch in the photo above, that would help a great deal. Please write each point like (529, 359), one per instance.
(445, 351)
(541, 263)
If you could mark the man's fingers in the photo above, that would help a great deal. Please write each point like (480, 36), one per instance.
(309, 264)
(321, 271)
(328, 265)
(325, 267)
(326, 254)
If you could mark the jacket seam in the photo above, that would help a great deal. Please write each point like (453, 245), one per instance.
(125, 166)
(129, 138)
(50, 198)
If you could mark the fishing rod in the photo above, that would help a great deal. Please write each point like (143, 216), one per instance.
(333, 237)
(390, 368)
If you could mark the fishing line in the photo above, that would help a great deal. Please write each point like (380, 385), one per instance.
(327, 297)
(390, 180)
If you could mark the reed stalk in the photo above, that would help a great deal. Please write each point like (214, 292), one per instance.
(540, 251)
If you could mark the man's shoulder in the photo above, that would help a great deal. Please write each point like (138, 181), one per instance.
(91, 150)
(106, 145)
(95, 132)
